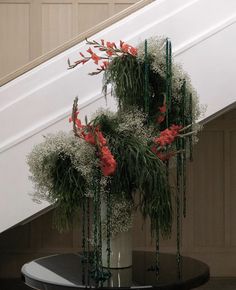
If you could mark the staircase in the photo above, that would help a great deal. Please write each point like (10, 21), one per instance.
(39, 101)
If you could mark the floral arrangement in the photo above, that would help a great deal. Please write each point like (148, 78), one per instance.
(111, 51)
(123, 158)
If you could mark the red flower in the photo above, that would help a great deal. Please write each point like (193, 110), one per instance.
(95, 137)
(76, 115)
(133, 50)
(78, 123)
(154, 149)
(160, 119)
(165, 138)
(162, 109)
(90, 50)
(89, 137)
(104, 66)
(95, 57)
(168, 135)
(108, 163)
(125, 47)
(111, 45)
(109, 52)
(101, 140)
(175, 128)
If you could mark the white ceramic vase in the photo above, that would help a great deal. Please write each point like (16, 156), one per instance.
(121, 251)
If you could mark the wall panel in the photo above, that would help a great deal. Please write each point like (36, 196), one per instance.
(208, 185)
(90, 14)
(30, 28)
(121, 6)
(56, 25)
(14, 35)
(232, 180)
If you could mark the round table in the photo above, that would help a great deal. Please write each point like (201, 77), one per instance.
(68, 272)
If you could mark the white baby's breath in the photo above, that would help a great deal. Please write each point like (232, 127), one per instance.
(122, 216)
(157, 52)
(81, 154)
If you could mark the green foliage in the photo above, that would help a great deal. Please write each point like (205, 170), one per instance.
(138, 171)
(127, 76)
(61, 168)
(68, 191)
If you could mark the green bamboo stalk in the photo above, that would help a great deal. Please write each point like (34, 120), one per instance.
(167, 83)
(95, 271)
(191, 121)
(88, 239)
(178, 200)
(101, 276)
(168, 79)
(108, 229)
(157, 248)
(83, 240)
(146, 95)
(184, 149)
(170, 75)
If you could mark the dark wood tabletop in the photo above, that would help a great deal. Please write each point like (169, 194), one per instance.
(69, 272)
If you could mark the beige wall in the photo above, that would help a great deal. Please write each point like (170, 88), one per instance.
(30, 28)
(209, 231)
(210, 228)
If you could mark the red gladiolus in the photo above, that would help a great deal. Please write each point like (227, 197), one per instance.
(163, 109)
(175, 128)
(95, 57)
(111, 45)
(95, 137)
(109, 48)
(133, 51)
(161, 116)
(76, 115)
(108, 163)
(160, 119)
(101, 140)
(78, 123)
(109, 52)
(89, 137)
(125, 47)
(168, 135)
(106, 64)
(90, 50)
(154, 149)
